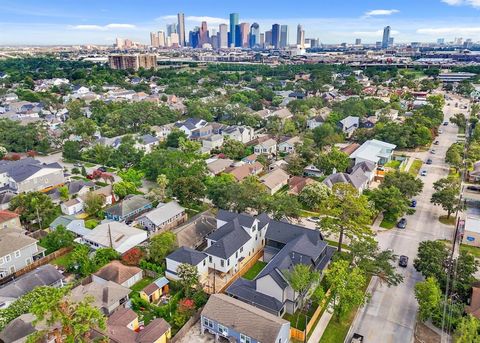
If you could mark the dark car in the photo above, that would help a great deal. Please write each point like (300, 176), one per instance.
(102, 169)
(357, 338)
(403, 261)
(429, 161)
(402, 223)
(413, 203)
(436, 142)
(445, 123)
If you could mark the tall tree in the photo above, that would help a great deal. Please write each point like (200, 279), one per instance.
(429, 296)
(466, 268)
(75, 319)
(160, 246)
(408, 184)
(34, 207)
(94, 203)
(188, 276)
(132, 175)
(334, 160)
(468, 330)
(431, 260)
(314, 194)
(390, 201)
(58, 238)
(447, 195)
(347, 213)
(346, 287)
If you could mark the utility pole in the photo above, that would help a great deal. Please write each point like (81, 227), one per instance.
(110, 236)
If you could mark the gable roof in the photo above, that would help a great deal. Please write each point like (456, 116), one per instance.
(12, 239)
(228, 239)
(164, 212)
(6, 215)
(122, 316)
(187, 255)
(117, 272)
(240, 316)
(245, 170)
(275, 178)
(350, 121)
(128, 205)
(104, 295)
(153, 331)
(23, 169)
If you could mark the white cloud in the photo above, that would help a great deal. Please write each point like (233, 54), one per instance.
(473, 3)
(449, 31)
(380, 12)
(107, 27)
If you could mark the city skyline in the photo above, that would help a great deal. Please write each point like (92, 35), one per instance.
(55, 22)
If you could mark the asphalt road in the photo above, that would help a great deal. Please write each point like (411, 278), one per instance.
(389, 317)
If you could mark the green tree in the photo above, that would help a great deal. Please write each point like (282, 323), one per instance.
(429, 296)
(466, 268)
(346, 287)
(408, 184)
(325, 135)
(56, 239)
(468, 330)
(221, 190)
(314, 194)
(160, 246)
(431, 260)
(284, 206)
(390, 201)
(160, 192)
(454, 155)
(76, 319)
(334, 160)
(80, 262)
(188, 190)
(188, 276)
(173, 138)
(133, 176)
(71, 150)
(460, 120)
(94, 203)
(34, 207)
(64, 194)
(104, 255)
(347, 213)
(233, 149)
(447, 195)
(74, 108)
(367, 256)
(3, 152)
(124, 188)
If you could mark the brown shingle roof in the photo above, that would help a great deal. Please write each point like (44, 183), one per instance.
(153, 331)
(298, 183)
(117, 272)
(122, 317)
(247, 319)
(247, 169)
(7, 215)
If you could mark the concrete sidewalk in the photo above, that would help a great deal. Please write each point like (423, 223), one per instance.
(321, 325)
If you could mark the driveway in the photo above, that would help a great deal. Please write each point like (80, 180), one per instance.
(390, 315)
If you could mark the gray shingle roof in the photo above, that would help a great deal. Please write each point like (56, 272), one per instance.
(22, 169)
(245, 290)
(14, 239)
(128, 205)
(187, 255)
(240, 316)
(164, 212)
(228, 239)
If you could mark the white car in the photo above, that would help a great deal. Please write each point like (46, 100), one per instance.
(423, 173)
(440, 131)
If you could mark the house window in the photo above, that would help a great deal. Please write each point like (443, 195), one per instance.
(28, 261)
(204, 262)
(1, 261)
(236, 254)
(244, 339)
(241, 249)
(8, 258)
(228, 262)
(17, 254)
(210, 259)
(222, 330)
(207, 322)
(222, 263)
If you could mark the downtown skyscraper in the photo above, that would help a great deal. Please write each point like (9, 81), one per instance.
(283, 36)
(275, 36)
(386, 37)
(233, 27)
(223, 36)
(300, 36)
(181, 29)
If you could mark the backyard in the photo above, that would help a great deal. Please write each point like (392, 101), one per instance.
(254, 270)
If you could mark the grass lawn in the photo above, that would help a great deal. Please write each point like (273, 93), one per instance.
(297, 320)
(393, 164)
(62, 261)
(387, 224)
(335, 244)
(415, 167)
(254, 270)
(306, 214)
(142, 284)
(91, 223)
(463, 247)
(449, 221)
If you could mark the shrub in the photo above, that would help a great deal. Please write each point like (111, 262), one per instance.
(132, 257)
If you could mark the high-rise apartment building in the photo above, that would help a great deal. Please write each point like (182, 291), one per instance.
(254, 39)
(154, 42)
(390, 42)
(268, 38)
(275, 36)
(194, 37)
(233, 28)
(204, 37)
(171, 28)
(386, 37)
(161, 39)
(262, 40)
(119, 43)
(244, 35)
(283, 36)
(223, 36)
(174, 40)
(300, 36)
(135, 61)
(181, 28)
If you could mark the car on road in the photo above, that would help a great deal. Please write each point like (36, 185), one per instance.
(445, 123)
(423, 173)
(78, 165)
(429, 161)
(432, 151)
(436, 142)
(313, 219)
(440, 131)
(403, 261)
(413, 203)
(402, 223)
(357, 338)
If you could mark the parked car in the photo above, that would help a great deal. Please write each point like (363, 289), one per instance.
(79, 165)
(432, 151)
(357, 338)
(413, 203)
(440, 131)
(429, 161)
(314, 219)
(403, 261)
(102, 169)
(423, 173)
(445, 123)
(436, 142)
(402, 223)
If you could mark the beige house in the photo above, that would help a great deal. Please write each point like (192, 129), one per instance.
(275, 180)
(9, 220)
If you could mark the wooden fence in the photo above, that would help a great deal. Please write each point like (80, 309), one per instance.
(243, 270)
(40, 262)
(187, 326)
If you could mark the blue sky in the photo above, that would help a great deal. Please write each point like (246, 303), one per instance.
(100, 21)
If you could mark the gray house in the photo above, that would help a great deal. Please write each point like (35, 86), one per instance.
(28, 175)
(286, 246)
(164, 217)
(17, 251)
(237, 321)
(46, 275)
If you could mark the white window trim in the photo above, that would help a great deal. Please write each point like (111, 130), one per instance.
(222, 330)
(17, 254)
(8, 258)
